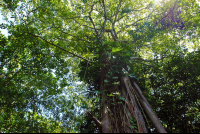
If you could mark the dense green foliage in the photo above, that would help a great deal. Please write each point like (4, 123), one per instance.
(172, 89)
(177, 86)
(54, 44)
(27, 83)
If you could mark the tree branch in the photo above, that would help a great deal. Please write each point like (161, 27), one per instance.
(135, 23)
(116, 14)
(98, 123)
(105, 17)
(147, 108)
(121, 18)
(60, 47)
(113, 24)
(137, 58)
(92, 20)
(166, 15)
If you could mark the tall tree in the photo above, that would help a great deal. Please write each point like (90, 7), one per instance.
(115, 40)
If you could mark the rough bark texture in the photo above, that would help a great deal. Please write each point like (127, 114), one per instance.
(151, 114)
(105, 122)
(137, 113)
(125, 103)
(105, 127)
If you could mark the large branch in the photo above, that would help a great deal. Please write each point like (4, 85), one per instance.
(117, 12)
(105, 17)
(166, 15)
(135, 23)
(98, 123)
(60, 47)
(113, 24)
(67, 33)
(93, 21)
(141, 59)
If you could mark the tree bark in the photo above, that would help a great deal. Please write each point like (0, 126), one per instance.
(120, 115)
(105, 126)
(149, 111)
(137, 113)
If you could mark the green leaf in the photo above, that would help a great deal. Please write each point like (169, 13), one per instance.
(116, 83)
(133, 127)
(106, 81)
(115, 77)
(116, 49)
(110, 94)
(122, 98)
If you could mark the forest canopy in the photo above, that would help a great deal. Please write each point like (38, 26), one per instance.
(120, 66)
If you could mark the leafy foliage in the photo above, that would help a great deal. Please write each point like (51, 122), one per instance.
(53, 43)
(175, 90)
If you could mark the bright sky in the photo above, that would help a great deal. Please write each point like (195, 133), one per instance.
(3, 31)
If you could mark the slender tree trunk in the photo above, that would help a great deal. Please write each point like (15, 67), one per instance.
(137, 113)
(146, 106)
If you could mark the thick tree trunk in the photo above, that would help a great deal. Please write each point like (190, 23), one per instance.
(117, 117)
(105, 126)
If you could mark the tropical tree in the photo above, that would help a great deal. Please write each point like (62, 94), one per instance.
(115, 45)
